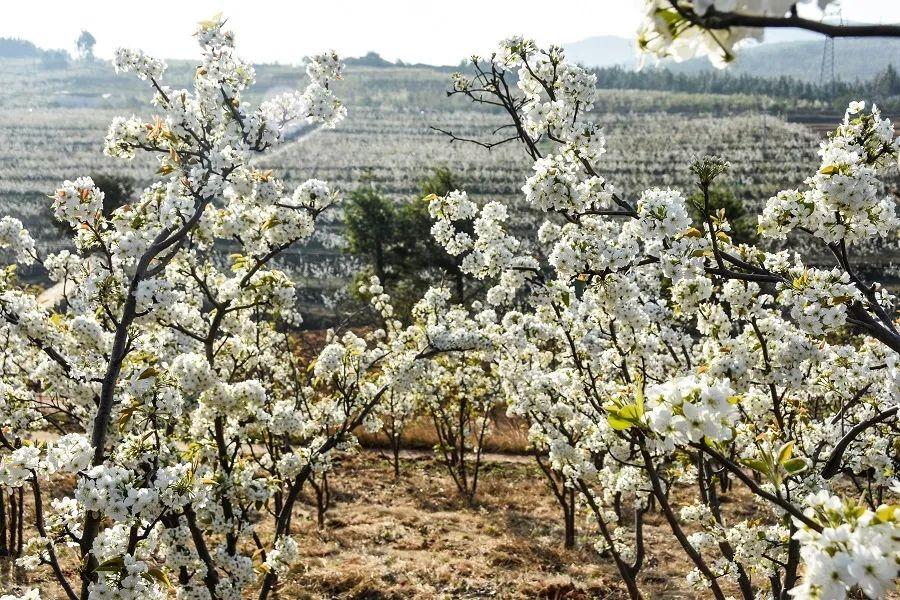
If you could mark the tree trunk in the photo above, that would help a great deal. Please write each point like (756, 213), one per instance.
(396, 451)
(4, 550)
(569, 516)
(21, 534)
(323, 496)
(13, 527)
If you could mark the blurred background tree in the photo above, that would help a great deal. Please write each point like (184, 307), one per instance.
(118, 190)
(394, 238)
(743, 224)
(84, 45)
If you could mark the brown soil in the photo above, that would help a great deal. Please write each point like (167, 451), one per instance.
(414, 538)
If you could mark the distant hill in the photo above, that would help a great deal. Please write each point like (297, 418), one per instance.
(603, 51)
(372, 59)
(854, 59)
(793, 54)
(797, 55)
(16, 48)
(611, 51)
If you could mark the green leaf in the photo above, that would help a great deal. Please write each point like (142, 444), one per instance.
(785, 452)
(617, 423)
(671, 18)
(148, 373)
(626, 416)
(126, 415)
(112, 565)
(760, 466)
(631, 412)
(794, 466)
(639, 397)
(158, 575)
(885, 512)
(692, 232)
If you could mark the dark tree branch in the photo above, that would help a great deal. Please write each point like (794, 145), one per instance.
(715, 20)
(488, 145)
(832, 466)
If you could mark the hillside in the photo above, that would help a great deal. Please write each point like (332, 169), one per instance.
(854, 59)
(56, 119)
(603, 51)
(785, 54)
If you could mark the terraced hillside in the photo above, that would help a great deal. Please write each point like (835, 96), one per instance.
(54, 130)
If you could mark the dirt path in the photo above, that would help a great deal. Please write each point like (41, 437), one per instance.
(420, 454)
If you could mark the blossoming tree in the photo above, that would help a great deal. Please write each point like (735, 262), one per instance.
(650, 352)
(185, 421)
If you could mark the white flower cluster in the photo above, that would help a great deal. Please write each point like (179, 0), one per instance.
(14, 236)
(558, 185)
(818, 299)
(453, 208)
(324, 67)
(550, 111)
(317, 103)
(618, 301)
(843, 202)
(68, 454)
(186, 369)
(29, 595)
(314, 195)
(690, 408)
(131, 581)
(78, 201)
(331, 358)
(283, 555)
(193, 373)
(662, 215)
(644, 349)
(135, 61)
(492, 252)
(856, 549)
(18, 466)
(666, 33)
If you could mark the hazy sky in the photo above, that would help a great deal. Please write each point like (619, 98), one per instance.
(437, 32)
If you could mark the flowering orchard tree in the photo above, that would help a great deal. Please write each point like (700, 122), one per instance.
(455, 387)
(459, 394)
(683, 29)
(187, 425)
(393, 414)
(650, 352)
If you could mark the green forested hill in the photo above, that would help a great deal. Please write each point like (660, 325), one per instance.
(854, 59)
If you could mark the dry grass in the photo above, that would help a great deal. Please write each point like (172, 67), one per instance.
(507, 435)
(413, 538)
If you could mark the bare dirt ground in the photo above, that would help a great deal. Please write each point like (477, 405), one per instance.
(414, 538)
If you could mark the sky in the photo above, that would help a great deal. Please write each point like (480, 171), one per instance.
(429, 31)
